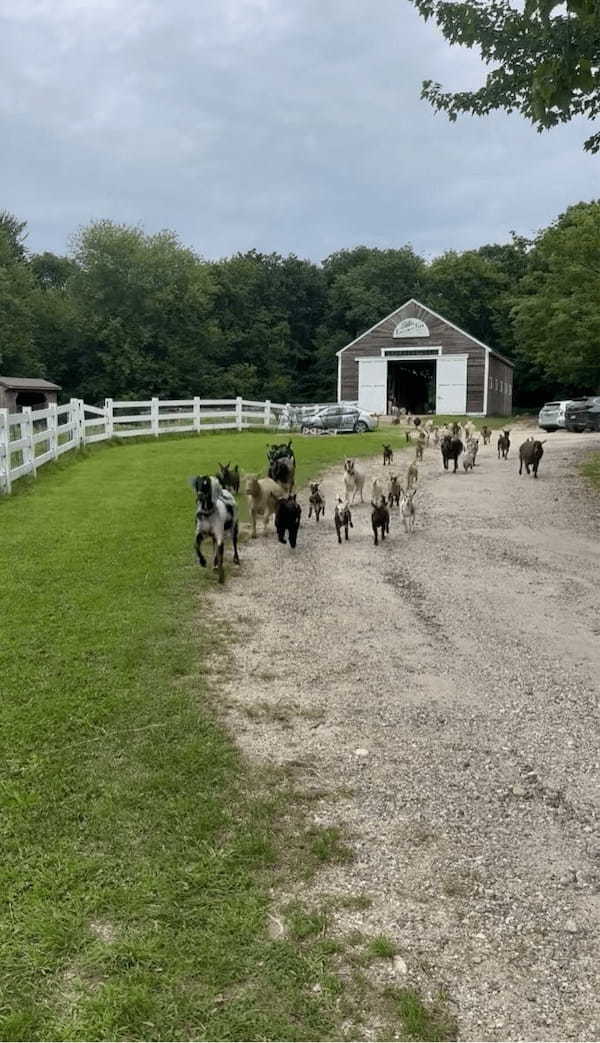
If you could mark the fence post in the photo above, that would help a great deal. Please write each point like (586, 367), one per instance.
(238, 412)
(197, 414)
(28, 450)
(52, 424)
(74, 420)
(268, 413)
(81, 419)
(5, 482)
(108, 417)
(154, 414)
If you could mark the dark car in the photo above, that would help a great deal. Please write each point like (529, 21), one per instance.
(583, 415)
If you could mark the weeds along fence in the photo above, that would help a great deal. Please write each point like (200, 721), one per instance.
(32, 438)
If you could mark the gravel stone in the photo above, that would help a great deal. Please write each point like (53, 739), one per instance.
(466, 659)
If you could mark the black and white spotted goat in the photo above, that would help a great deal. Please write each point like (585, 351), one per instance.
(216, 516)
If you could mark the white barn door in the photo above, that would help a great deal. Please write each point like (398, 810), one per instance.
(372, 385)
(451, 389)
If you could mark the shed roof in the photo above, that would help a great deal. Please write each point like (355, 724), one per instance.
(28, 384)
(437, 316)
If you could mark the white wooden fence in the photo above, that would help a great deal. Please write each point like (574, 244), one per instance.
(28, 440)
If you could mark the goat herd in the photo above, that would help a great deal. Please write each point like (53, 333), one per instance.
(217, 512)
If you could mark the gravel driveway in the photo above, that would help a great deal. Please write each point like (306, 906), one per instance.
(446, 685)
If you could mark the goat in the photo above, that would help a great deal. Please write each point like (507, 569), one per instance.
(451, 448)
(530, 454)
(395, 490)
(229, 477)
(473, 448)
(380, 519)
(287, 519)
(342, 519)
(468, 458)
(216, 515)
(412, 475)
(486, 433)
(436, 435)
(503, 445)
(469, 430)
(263, 496)
(407, 509)
(388, 455)
(282, 464)
(419, 449)
(316, 502)
(376, 490)
(354, 480)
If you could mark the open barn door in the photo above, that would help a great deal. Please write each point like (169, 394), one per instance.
(451, 388)
(372, 385)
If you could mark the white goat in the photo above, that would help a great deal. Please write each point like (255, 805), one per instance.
(376, 491)
(407, 509)
(354, 481)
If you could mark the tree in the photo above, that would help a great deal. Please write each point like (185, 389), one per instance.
(18, 354)
(557, 310)
(546, 57)
(143, 315)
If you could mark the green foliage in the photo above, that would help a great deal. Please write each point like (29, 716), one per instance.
(557, 308)
(545, 58)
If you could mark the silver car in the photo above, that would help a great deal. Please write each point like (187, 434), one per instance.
(341, 417)
(553, 415)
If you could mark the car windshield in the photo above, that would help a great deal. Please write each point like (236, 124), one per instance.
(551, 405)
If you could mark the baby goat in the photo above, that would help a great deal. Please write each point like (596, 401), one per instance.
(412, 475)
(342, 519)
(388, 455)
(394, 491)
(316, 501)
(380, 519)
(407, 510)
(376, 491)
(287, 519)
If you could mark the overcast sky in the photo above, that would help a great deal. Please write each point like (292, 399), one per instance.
(287, 125)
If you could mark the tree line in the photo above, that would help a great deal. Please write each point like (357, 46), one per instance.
(131, 315)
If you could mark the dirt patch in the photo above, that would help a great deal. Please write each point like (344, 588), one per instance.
(447, 685)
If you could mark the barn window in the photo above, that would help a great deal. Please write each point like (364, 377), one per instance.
(501, 385)
(496, 383)
(491, 383)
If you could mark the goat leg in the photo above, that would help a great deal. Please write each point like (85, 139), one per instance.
(199, 555)
(220, 549)
(375, 541)
(234, 537)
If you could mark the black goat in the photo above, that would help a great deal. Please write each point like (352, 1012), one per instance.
(451, 448)
(229, 477)
(530, 454)
(315, 501)
(342, 519)
(380, 519)
(388, 455)
(287, 519)
(503, 445)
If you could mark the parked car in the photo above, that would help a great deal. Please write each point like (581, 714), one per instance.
(341, 417)
(553, 415)
(584, 415)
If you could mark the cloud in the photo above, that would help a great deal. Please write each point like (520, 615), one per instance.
(295, 127)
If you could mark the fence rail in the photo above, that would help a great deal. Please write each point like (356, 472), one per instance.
(30, 439)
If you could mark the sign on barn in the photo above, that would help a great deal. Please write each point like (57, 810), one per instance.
(436, 368)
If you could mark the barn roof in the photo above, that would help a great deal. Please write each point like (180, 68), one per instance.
(28, 384)
(413, 300)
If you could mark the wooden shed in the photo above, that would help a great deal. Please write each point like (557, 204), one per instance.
(16, 392)
(417, 360)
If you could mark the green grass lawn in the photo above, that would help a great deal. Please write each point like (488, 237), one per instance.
(591, 469)
(138, 848)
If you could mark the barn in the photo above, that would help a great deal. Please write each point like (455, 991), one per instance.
(16, 392)
(417, 360)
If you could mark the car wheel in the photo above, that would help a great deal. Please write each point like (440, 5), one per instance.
(304, 430)
(360, 427)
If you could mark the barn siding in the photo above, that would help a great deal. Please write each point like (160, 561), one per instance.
(452, 342)
(500, 377)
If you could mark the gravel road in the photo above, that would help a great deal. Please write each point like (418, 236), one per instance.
(446, 686)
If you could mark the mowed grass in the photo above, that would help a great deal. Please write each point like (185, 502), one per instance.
(138, 848)
(591, 469)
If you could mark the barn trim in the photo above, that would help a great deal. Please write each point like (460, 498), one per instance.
(413, 300)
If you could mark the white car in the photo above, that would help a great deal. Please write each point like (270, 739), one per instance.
(341, 417)
(553, 415)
